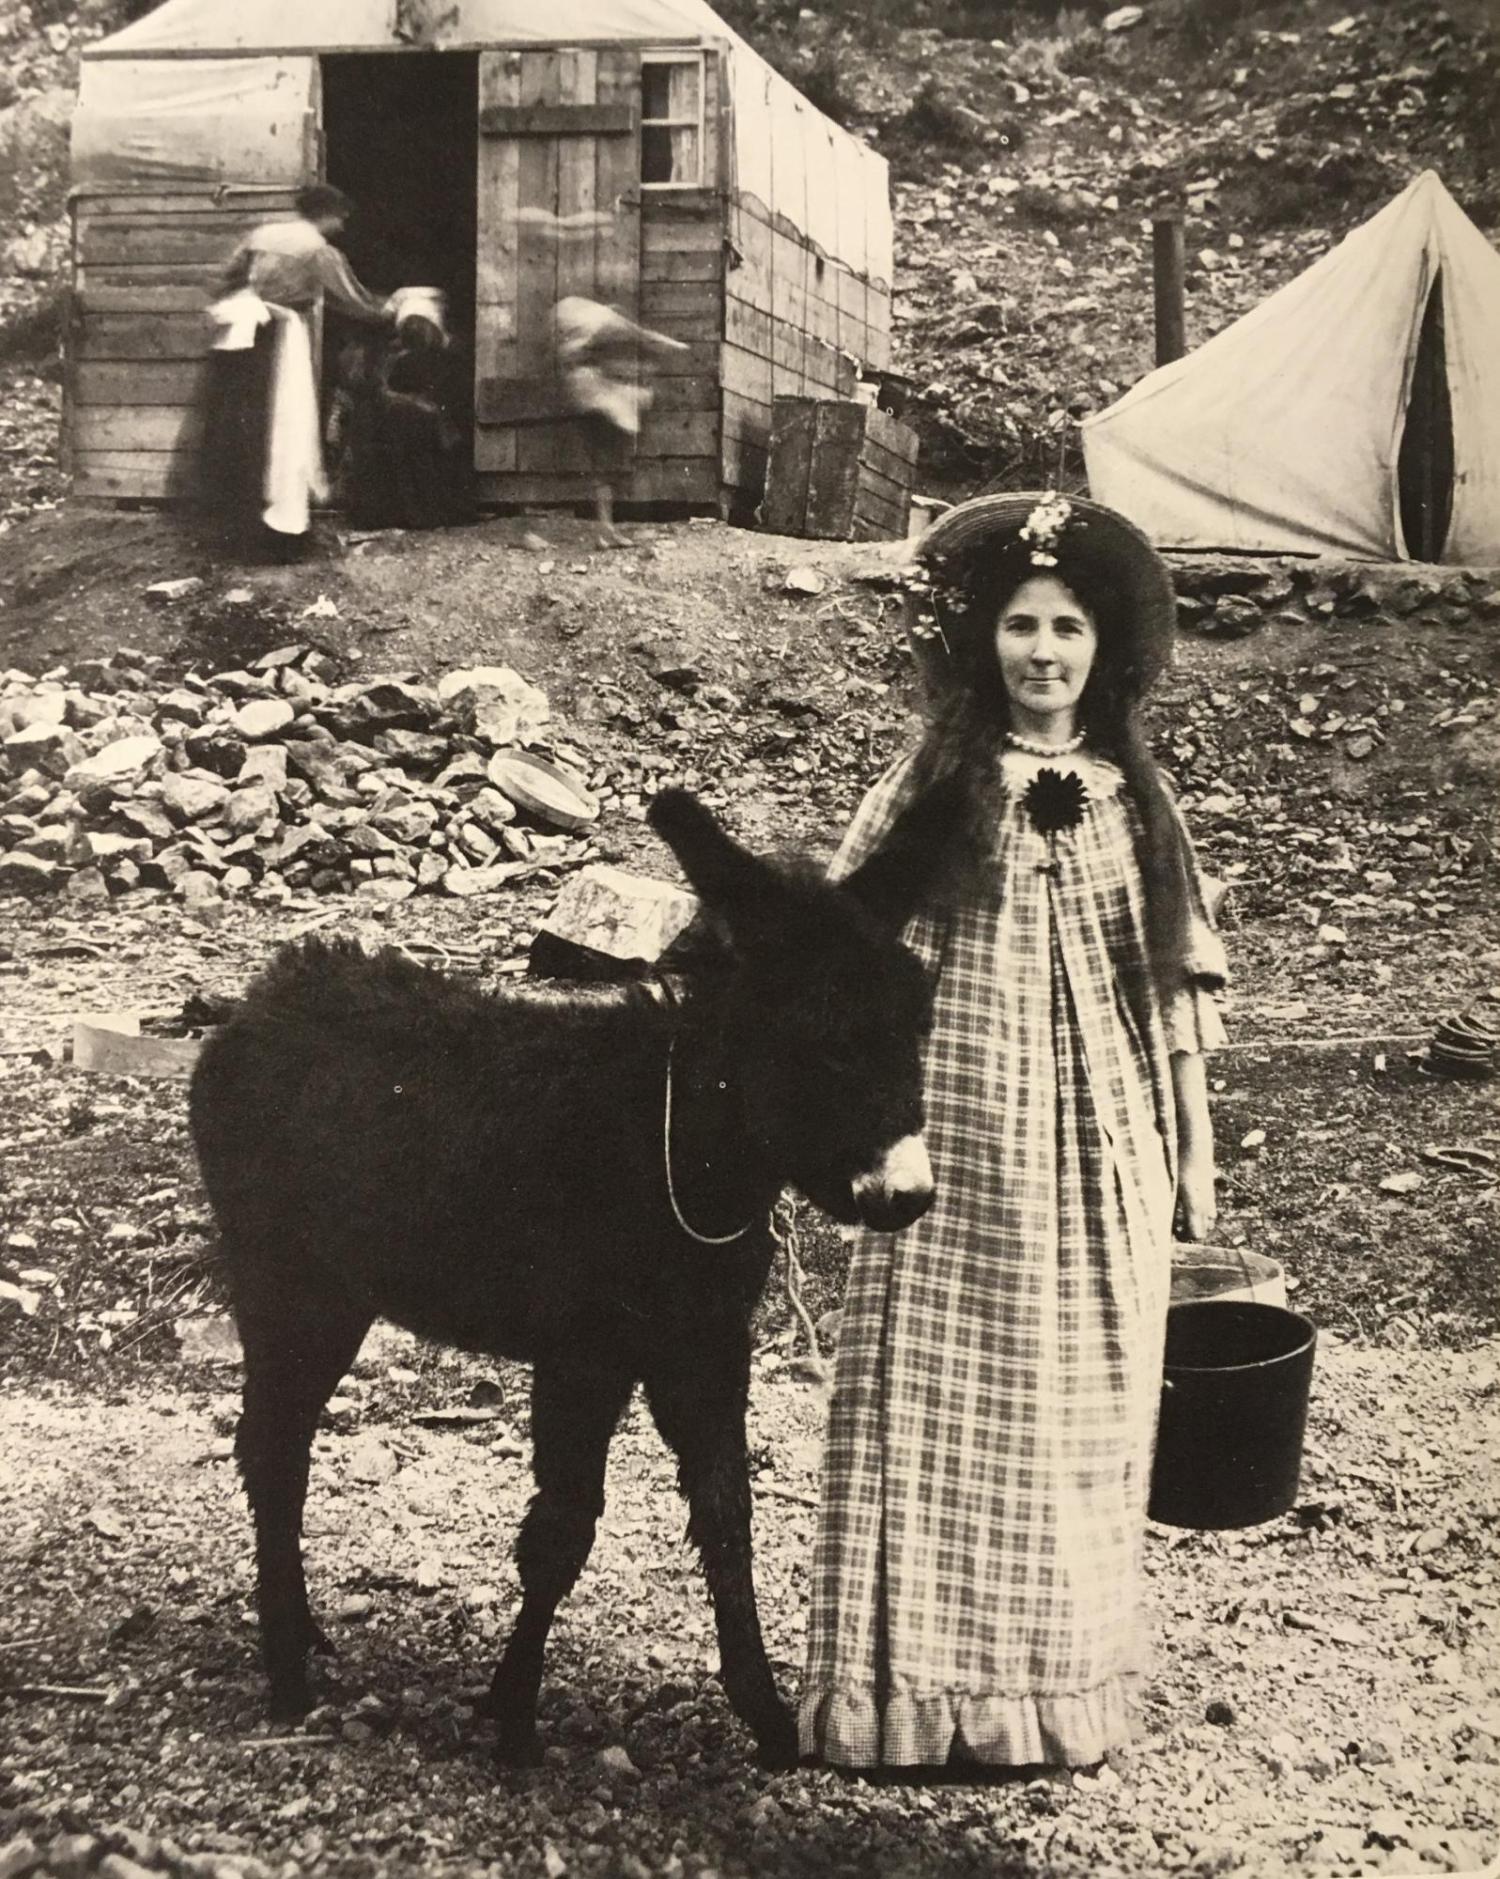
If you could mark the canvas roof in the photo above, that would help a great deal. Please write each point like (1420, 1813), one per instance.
(1282, 433)
(219, 93)
(207, 27)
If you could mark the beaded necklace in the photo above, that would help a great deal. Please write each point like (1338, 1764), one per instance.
(1035, 749)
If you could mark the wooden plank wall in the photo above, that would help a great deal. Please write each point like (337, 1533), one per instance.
(675, 286)
(795, 324)
(144, 269)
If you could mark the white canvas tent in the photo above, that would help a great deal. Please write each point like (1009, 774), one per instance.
(1285, 432)
(741, 219)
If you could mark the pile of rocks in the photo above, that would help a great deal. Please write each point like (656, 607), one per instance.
(115, 777)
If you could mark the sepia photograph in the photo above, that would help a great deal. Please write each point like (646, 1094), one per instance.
(749, 939)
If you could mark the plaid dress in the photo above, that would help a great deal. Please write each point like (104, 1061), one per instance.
(974, 1581)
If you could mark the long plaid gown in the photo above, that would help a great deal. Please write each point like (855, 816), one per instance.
(975, 1575)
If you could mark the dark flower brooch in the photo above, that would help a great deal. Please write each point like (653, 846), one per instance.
(1054, 800)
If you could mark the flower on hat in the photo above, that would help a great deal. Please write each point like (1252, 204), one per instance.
(1043, 527)
(933, 600)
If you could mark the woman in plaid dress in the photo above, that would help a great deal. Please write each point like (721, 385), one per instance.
(975, 1577)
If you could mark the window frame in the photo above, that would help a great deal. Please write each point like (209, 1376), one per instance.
(681, 55)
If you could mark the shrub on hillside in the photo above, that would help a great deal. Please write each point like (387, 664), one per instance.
(768, 24)
(31, 332)
(935, 120)
(1207, 24)
(1070, 46)
(1301, 186)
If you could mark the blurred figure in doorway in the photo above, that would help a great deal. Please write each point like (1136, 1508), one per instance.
(405, 444)
(598, 352)
(599, 356)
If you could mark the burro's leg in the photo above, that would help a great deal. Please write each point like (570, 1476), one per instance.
(698, 1401)
(575, 1404)
(300, 1333)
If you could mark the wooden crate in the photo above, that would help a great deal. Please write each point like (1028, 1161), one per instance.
(839, 470)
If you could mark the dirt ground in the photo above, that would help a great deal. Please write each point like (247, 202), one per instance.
(1325, 1694)
(1327, 1688)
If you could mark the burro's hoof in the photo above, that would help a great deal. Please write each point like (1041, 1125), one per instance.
(289, 1700)
(518, 1748)
(776, 1741)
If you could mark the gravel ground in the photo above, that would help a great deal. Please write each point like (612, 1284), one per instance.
(1327, 1688)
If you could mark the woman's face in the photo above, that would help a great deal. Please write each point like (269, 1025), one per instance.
(1045, 640)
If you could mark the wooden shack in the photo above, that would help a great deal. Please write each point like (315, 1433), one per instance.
(636, 152)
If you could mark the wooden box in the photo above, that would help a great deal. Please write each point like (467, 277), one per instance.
(839, 470)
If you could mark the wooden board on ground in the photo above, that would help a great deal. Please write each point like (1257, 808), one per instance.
(109, 1051)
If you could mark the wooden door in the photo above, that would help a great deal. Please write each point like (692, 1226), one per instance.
(559, 214)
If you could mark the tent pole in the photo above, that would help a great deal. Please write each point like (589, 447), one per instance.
(1167, 271)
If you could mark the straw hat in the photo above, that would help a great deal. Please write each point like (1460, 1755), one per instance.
(965, 550)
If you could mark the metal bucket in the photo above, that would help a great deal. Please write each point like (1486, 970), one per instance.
(1233, 1413)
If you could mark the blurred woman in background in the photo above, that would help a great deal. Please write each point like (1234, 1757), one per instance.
(253, 462)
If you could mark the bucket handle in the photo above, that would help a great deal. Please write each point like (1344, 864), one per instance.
(1249, 1277)
(1244, 1264)
(1239, 1253)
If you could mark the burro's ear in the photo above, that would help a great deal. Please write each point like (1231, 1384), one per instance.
(727, 878)
(894, 881)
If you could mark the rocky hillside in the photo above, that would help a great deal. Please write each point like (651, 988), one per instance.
(1029, 147)
(1028, 163)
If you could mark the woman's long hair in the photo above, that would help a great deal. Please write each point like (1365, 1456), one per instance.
(971, 714)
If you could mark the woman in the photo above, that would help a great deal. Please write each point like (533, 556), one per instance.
(254, 457)
(999, 1367)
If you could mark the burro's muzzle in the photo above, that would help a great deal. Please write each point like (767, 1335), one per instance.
(898, 1190)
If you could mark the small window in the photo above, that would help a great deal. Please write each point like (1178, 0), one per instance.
(672, 122)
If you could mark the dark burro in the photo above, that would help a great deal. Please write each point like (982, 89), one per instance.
(580, 1179)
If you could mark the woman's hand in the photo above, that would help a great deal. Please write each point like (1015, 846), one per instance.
(1197, 1209)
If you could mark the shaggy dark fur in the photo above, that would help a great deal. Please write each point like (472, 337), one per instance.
(378, 1140)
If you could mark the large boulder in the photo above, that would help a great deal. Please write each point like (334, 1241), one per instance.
(262, 718)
